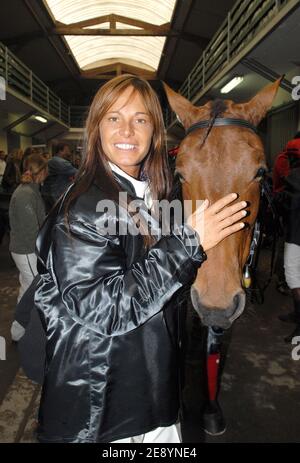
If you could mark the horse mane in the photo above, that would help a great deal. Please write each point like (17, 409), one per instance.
(218, 107)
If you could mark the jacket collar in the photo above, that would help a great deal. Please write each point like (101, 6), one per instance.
(125, 184)
(138, 186)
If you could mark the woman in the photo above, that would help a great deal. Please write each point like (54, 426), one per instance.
(26, 215)
(108, 300)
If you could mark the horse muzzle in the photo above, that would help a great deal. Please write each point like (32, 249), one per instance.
(219, 317)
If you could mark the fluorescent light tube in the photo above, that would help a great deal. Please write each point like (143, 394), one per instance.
(232, 84)
(41, 119)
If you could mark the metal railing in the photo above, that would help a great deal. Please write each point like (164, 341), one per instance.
(22, 80)
(241, 25)
(243, 22)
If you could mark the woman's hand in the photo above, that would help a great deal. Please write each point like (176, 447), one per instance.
(214, 223)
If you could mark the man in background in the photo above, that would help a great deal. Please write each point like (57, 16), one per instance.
(61, 174)
(282, 166)
(281, 170)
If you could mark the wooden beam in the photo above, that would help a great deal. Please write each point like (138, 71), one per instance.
(113, 67)
(112, 25)
(111, 76)
(113, 18)
(105, 72)
(88, 22)
(112, 32)
(99, 76)
(106, 68)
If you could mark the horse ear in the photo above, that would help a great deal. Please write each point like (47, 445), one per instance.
(256, 109)
(184, 110)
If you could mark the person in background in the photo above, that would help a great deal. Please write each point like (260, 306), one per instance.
(2, 164)
(47, 155)
(28, 152)
(3, 212)
(26, 215)
(77, 160)
(282, 163)
(12, 173)
(281, 170)
(291, 201)
(61, 174)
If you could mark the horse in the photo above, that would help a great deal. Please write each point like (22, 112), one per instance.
(221, 153)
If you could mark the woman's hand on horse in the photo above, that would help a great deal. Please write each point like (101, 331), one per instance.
(216, 222)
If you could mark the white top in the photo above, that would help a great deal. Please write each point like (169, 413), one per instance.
(141, 187)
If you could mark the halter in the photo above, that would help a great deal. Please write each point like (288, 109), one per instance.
(265, 191)
(220, 122)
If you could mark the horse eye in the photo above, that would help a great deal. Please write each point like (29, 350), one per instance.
(260, 173)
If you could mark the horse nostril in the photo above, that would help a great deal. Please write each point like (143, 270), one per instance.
(237, 306)
(217, 316)
(236, 300)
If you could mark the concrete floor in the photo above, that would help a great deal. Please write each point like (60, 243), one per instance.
(260, 387)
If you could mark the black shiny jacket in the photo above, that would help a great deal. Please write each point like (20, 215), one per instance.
(111, 320)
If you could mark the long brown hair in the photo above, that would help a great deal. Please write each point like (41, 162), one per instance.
(17, 155)
(33, 165)
(95, 167)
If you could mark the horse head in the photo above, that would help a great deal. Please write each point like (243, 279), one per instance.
(213, 161)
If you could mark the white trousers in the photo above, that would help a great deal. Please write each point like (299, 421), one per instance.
(165, 435)
(292, 265)
(26, 264)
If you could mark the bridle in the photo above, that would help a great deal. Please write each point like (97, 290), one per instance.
(220, 122)
(265, 192)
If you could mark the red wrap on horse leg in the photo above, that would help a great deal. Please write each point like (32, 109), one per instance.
(213, 420)
(213, 361)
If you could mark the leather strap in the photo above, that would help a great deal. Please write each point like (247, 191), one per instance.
(219, 122)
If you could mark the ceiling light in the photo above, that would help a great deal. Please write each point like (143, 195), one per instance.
(232, 84)
(41, 119)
